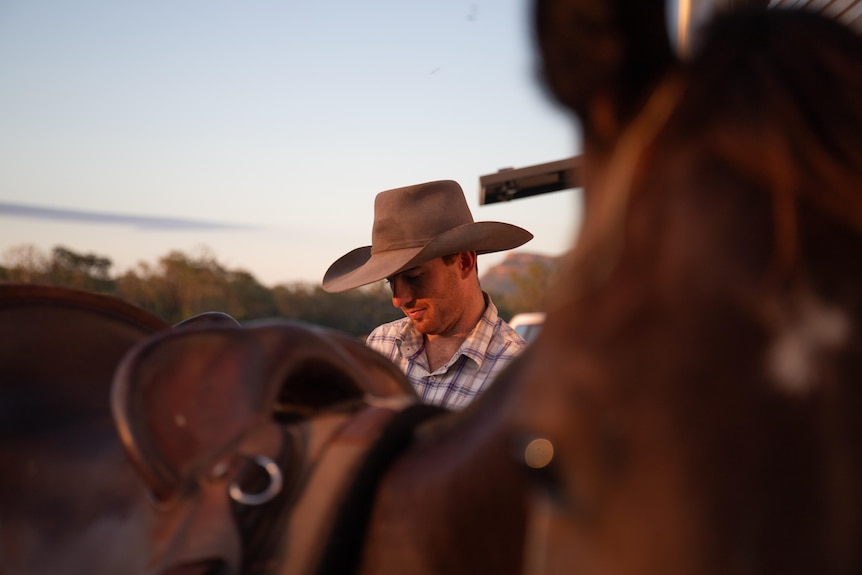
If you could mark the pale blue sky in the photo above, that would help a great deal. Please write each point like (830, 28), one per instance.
(281, 118)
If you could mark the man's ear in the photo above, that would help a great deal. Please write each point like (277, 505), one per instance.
(467, 262)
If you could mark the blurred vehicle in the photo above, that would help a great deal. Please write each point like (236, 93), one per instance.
(528, 325)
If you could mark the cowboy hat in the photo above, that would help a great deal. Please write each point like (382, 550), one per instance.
(414, 225)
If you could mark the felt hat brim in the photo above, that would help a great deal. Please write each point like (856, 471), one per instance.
(361, 266)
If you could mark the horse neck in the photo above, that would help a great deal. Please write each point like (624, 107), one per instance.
(454, 503)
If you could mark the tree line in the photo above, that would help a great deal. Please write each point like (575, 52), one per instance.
(180, 285)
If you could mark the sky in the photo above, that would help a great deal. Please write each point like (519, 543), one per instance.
(260, 131)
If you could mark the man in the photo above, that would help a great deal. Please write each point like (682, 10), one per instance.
(424, 242)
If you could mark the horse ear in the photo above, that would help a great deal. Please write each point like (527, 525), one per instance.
(601, 58)
(182, 397)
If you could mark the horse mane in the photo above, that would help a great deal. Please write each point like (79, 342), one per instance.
(785, 124)
(788, 119)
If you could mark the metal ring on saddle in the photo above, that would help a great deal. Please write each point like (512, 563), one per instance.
(274, 488)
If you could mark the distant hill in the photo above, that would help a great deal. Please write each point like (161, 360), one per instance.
(501, 279)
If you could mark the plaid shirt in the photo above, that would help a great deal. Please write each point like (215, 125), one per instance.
(488, 348)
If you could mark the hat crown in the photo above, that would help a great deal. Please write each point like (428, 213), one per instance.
(413, 216)
(414, 225)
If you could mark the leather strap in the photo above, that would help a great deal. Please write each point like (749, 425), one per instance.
(346, 540)
(324, 486)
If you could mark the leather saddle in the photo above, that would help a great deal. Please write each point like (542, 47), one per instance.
(248, 439)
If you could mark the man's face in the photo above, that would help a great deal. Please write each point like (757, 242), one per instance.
(430, 295)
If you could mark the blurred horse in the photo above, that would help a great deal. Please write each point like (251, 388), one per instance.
(693, 402)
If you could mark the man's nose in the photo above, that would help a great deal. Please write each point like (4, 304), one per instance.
(402, 295)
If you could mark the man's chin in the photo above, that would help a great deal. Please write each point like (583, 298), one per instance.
(423, 326)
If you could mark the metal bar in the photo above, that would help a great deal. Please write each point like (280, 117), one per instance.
(510, 183)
